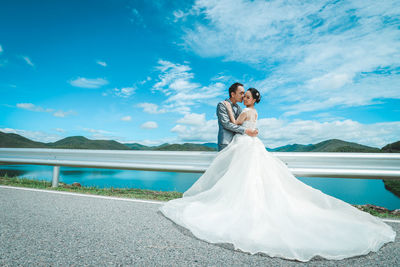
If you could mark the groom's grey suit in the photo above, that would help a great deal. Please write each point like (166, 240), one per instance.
(227, 129)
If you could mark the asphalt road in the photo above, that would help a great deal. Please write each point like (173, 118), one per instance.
(52, 229)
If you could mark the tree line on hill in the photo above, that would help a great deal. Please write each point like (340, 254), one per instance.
(13, 140)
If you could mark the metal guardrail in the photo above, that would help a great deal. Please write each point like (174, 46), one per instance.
(303, 164)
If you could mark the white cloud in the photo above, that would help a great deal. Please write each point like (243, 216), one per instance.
(136, 18)
(60, 130)
(204, 132)
(152, 142)
(126, 118)
(362, 93)
(193, 119)
(276, 132)
(179, 14)
(101, 63)
(326, 116)
(279, 132)
(151, 108)
(175, 82)
(124, 92)
(1, 49)
(28, 61)
(62, 114)
(145, 80)
(32, 107)
(99, 134)
(310, 52)
(97, 131)
(88, 83)
(182, 15)
(149, 125)
(171, 74)
(194, 127)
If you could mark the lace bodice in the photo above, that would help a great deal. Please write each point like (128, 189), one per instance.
(252, 122)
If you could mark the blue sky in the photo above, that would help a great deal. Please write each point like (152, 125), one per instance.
(153, 71)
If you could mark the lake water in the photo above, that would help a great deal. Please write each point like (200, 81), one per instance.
(354, 191)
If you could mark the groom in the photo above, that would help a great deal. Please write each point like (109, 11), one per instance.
(227, 129)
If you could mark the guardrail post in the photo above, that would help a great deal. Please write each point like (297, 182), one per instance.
(56, 176)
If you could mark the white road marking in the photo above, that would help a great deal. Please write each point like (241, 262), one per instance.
(391, 220)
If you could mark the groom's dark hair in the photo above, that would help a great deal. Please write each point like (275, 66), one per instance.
(233, 88)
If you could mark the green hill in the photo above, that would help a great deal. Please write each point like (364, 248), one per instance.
(136, 146)
(15, 140)
(81, 142)
(183, 147)
(72, 142)
(332, 145)
(292, 148)
(392, 148)
(175, 147)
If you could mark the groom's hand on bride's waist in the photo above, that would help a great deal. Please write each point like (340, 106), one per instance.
(251, 132)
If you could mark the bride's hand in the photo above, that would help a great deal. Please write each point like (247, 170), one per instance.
(251, 132)
(227, 104)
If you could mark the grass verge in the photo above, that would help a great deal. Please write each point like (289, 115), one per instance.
(384, 214)
(115, 192)
(134, 193)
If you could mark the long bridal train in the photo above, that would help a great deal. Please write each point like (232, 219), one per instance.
(249, 198)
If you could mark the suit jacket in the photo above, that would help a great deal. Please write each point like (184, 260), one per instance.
(227, 129)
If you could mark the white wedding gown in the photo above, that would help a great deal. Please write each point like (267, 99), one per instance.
(249, 198)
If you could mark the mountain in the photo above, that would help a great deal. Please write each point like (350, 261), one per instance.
(332, 145)
(136, 146)
(292, 148)
(211, 145)
(175, 147)
(15, 140)
(81, 142)
(72, 142)
(392, 148)
(184, 147)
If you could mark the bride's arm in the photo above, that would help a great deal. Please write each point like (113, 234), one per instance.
(242, 117)
(230, 112)
(239, 120)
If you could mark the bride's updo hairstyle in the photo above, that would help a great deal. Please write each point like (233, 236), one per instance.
(255, 93)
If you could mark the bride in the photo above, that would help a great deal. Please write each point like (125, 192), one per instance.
(249, 198)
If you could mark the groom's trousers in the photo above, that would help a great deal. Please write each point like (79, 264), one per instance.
(221, 146)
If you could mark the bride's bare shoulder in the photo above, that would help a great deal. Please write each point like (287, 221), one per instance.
(252, 113)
